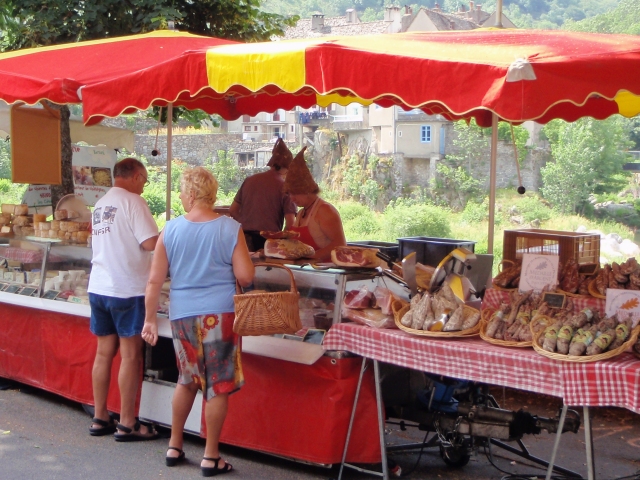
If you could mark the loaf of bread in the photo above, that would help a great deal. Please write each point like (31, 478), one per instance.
(8, 208)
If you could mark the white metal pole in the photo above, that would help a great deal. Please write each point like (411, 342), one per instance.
(498, 22)
(492, 180)
(169, 157)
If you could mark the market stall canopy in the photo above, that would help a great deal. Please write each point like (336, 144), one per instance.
(59, 73)
(112, 137)
(517, 74)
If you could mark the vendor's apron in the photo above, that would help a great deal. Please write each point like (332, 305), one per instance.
(307, 236)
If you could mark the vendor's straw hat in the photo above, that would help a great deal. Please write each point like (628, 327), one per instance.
(280, 156)
(299, 180)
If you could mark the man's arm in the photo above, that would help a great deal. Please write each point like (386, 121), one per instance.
(149, 244)
(331, 225)
(234, 210)
(289, 218)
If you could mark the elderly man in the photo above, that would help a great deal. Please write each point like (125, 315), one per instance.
(124, 235)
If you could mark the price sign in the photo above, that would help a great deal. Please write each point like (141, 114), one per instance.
(538, 272)
(554, 300)
(37, 196)
(92, 172)
(623, 303)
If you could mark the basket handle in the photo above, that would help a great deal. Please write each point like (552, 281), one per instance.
(502, 263)
(294, 288)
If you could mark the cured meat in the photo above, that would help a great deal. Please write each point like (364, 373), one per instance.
(280, 235)
(289, 249)
(383, 300)
(359, 299)
(355, 257)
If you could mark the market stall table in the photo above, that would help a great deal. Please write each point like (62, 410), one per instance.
(614, 382)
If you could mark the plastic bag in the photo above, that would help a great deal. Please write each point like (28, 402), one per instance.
(371, 317)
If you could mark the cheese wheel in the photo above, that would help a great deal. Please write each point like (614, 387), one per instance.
(21, 220)
(55, 224)
(5, 229)
(72, 214)
(73, 227)
(53, 234)
(64, 225)
(8, 208)
(5, 220)
(22, 209)
(45, 225)
(61, 234)
(39, 217)
(60, 214)
(17, 230)
(28, 231)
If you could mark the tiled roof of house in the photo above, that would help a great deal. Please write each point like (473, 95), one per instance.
(334, 26)
(446, 21)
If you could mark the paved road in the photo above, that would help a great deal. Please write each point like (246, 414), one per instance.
(43, 436)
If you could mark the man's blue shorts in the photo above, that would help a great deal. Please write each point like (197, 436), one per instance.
(112, 315)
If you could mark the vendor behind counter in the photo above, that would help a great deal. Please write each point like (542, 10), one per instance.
(261, 203)
(318, 222)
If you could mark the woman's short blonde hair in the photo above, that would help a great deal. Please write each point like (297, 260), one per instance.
(201, 183)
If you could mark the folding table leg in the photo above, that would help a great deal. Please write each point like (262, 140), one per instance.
(385, 471)
(556, 443)
(588, 445)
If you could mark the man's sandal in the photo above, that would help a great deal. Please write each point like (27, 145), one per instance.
(213, 471)
(173, 461)
(105, 428)
(134, 434)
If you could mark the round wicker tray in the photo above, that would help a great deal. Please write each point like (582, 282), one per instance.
(484, 322)
(425, 333)
(574, 295)
(594, 291)
(396, 306)
(587, 358)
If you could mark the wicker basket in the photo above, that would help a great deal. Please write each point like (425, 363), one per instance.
(425, 333)
(594, 291)
(267, 313)
(484, 322)
(574, 295)
(587, 358)
(396, 307)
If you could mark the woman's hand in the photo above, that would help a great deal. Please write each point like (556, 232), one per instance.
(150, 332)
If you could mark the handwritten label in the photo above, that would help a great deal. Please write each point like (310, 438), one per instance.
(554, 300)
(37, 195)
(623, 303)
(538, 272)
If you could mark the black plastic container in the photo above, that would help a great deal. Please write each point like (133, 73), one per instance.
(431, 250)
(387, 248)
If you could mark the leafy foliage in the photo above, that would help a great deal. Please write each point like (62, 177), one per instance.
(226, 171)
(532, 208)
(588, 155)
(48, 22)
(404, 219)
(625, 18)
(5, 159)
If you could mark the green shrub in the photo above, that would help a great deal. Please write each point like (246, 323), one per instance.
(475, 212)
(365, 227)
(532, 208)
(402, 220)
(350, 210)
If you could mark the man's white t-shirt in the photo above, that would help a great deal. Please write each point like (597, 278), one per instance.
(121, 222)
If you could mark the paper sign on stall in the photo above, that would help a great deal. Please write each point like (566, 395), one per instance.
(538, 272)
(623, 303)
(37, 196)
(92, 172)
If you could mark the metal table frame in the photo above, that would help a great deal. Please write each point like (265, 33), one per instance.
(383, 450)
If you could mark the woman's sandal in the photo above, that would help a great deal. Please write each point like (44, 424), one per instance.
(213, 471)
(173, 461)
(134, 434)
(105, 428)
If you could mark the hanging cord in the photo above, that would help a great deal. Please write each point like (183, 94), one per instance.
(521, 188)
(155, 152)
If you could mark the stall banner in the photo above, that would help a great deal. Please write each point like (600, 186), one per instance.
(37, 196)
(538, 272)
(92, 172)
(623, 303)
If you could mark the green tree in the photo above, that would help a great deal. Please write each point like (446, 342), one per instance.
(226, 171)
(5, 159)
(625, 18)
(588, 157)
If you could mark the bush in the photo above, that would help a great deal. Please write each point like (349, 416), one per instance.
(532, 208)
(365, 227)
(475, 212)
(350, 210)
(403, 220)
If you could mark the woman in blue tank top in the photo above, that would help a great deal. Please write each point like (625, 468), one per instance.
(204, 253)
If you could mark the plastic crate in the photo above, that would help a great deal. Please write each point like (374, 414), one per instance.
(387, 248)
(431, 250)
(584, 248)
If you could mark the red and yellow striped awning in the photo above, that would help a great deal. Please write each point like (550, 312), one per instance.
(518, 74)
